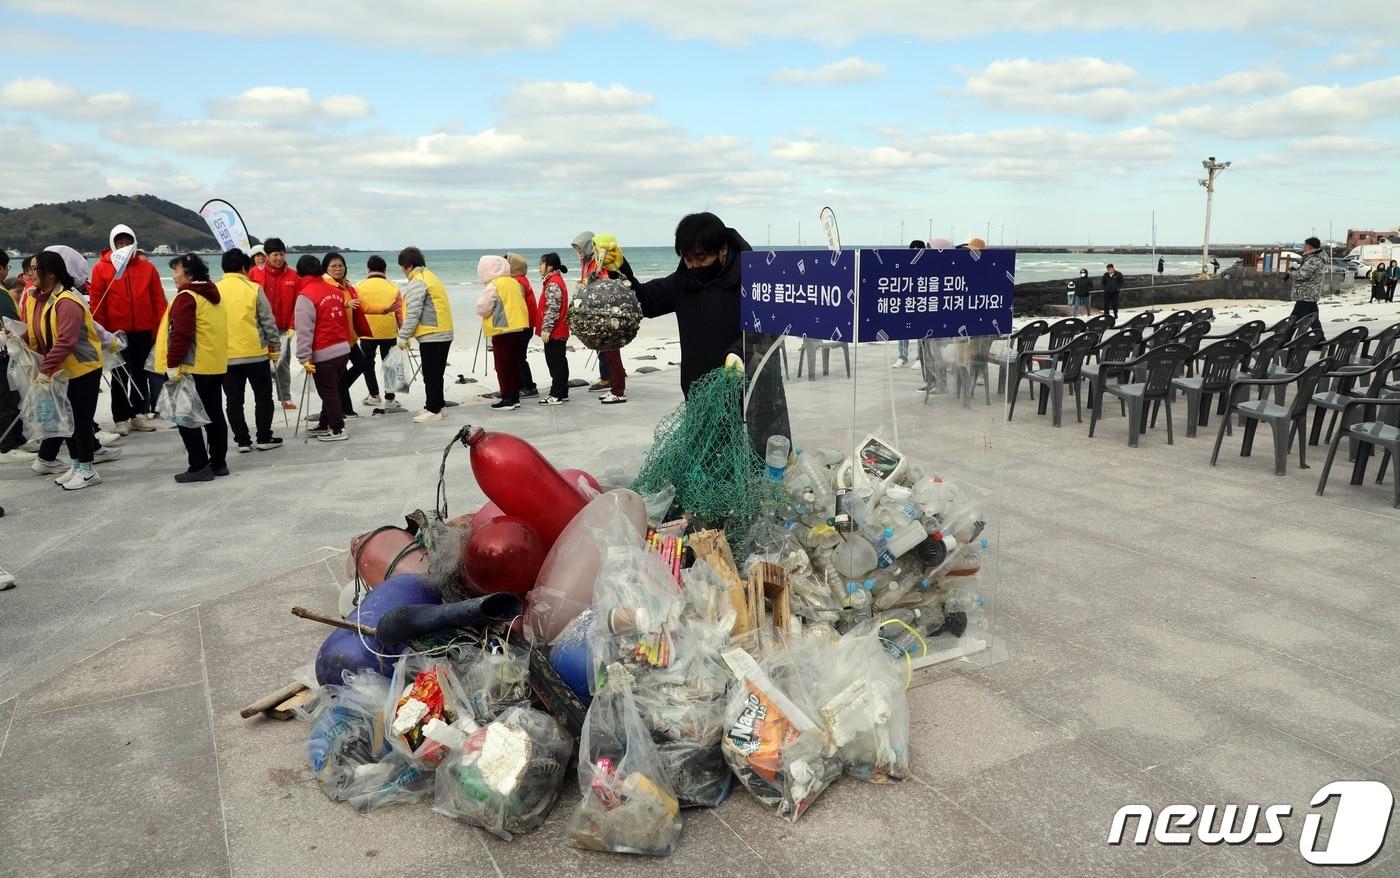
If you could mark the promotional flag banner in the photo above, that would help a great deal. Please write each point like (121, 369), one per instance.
(121, 258)
(226, 225)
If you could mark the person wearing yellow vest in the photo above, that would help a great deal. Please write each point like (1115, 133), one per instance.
(427, 316)
(505, 319)
(254, 345)
(60, 326)
(383, 306)
(192, 345)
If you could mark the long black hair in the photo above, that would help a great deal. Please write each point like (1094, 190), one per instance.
(49, 262)
(553, 263)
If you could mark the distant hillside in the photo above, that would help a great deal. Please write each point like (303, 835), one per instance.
(84, 224)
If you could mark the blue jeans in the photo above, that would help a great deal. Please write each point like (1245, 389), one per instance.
(904, 350)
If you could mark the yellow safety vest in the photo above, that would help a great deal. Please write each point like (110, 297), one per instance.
(208, 355)
(379, 293)
(437, 315)
(516, 313)
(239, 298)
(87, 354)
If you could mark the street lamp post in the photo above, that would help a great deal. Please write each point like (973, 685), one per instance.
(1212, 168)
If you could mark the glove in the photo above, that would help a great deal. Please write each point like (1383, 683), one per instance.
(114, 346)
(288, 333)
(43, 380)
(407, 346)
(176, 374)
(310, 367)
(274, 355)
(735, 362)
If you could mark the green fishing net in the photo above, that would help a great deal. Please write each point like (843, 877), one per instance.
(702, 450)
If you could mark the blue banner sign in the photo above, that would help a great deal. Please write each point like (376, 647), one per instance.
(910, 294)
(799, 293)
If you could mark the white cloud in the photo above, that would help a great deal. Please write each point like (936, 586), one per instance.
(276, 102)
(1341, 147)
(460, 27)
(42, 95)
(1097, 89)
(1310, 109)
(851, 69)
(569, 98)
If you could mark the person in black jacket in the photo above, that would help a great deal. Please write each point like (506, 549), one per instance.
(1083, 286)
(703, 293)
(1112, 285)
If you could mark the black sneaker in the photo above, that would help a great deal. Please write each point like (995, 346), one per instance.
(505, 405)
(313, 432)
(221, 470)
(352, 416)
(198, 475)
(530, 393)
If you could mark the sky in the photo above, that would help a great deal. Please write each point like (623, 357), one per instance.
(456, 123)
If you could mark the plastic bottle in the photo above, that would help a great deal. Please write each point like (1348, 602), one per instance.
(968, 602)
(855, 506)
(854, 557)
(822, 494)
(859, 595)
(896, 543)
(776, 456)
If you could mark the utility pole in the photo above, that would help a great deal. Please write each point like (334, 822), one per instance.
(930, 230)
(1212, 168)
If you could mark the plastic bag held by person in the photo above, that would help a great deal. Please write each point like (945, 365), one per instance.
(507, 776)
(45, 410)
(396, 371)
(628, 805)
(179, 404)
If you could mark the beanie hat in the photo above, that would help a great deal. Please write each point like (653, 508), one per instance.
(491, 267)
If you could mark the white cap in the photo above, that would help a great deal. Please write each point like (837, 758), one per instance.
(257, 248)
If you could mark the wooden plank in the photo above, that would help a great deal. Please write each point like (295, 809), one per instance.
(711, 546)
(271, 701)
(287, 709)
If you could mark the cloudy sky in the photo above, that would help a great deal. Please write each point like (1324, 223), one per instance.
(468, 124)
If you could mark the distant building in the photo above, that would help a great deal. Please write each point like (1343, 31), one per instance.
(1362, 237)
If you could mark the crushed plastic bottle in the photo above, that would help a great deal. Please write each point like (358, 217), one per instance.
(897, 542)
(776, 456)
(965, 601)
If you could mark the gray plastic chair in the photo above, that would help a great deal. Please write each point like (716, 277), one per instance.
(1100, 324)
(1379, 346)
(825, 347)
(1283, 326)
(1191, 336)
(1206, 314)
(1065, 370)
(1383, 432)
(1250, 332)
(1343, 349)
(1338, 399)
(1141, 320)
(1220, 363)
(1019, 342)
(1292, 360)
(977, 361)
(1285, 421)
(1110, 355)
(1163, 333)
(1152, 375)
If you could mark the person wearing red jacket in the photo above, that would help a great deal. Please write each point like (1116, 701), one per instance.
(280, 283)
(553, 314)
(357, 325)
(518, 270)
(323, 344)
(132, 304)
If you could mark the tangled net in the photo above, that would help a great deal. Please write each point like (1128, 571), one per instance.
(702, 449)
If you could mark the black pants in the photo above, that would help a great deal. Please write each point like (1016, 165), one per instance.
(358, 365)
(9, 410)
(127, 403)
(82, 396)
(433, 359)
(327, 380)
(258, 376)
(211, 393)
(527, 381)
(603, 369)
(1110, 303)
(368, 347)
(558, 361)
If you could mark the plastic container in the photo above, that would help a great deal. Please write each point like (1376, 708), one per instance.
(776, 456)
(900, 541)
(854, 557)
(815, 473)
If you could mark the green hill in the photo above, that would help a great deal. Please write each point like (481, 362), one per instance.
(84, 225)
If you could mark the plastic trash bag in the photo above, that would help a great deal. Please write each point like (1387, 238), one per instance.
(111, 351)
(347, 733)
(775, 740)
(23, 366)
(179, 404)
(628, 805)
(391, 781)
(636, 604)
(495, 678)
(507, 777)
(46, 411)
(861, 700)
(396, 371)
(424, 695)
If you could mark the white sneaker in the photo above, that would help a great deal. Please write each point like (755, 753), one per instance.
(899, 364)
(427, 417)
(7, 580)
(373, 401)
(612, 399)
(82, 480)
(140, 425)
(553, 400)
(67, 474)
(16, 455)
(48, 467)
(333, 436)
(393, 405)
(32, 446)
(108, 438)
(106, 453)
(122, 428)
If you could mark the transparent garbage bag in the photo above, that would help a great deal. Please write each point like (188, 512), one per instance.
(392, 780)
(507, 776)
(495, 677)
(347, 732)
(46, 411)
(860, 697)
(774, 738)
(111, 353)
(23, 366)
(396, 371)
(628, 805)
(424, 695)
(179, 404)
(636, 604)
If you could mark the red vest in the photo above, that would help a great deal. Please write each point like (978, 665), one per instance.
(561, 327)
(532, 304)
(331, 325)
(281, 290)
